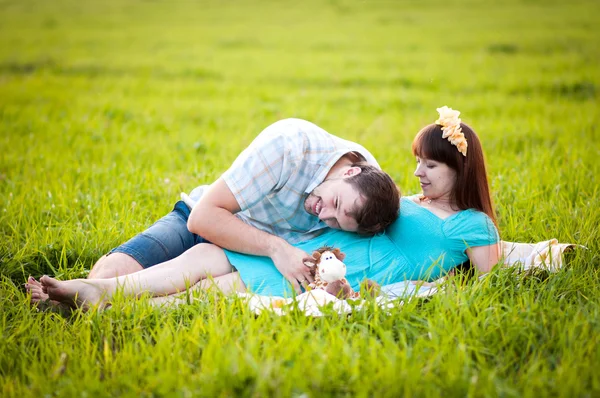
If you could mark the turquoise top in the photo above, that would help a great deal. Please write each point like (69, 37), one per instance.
(418, 246)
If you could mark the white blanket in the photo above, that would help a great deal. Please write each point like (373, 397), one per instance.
(546, 255)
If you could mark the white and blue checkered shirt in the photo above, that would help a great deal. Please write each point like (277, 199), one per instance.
(273, 176)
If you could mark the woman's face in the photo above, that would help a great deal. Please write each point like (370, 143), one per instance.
(436, 178)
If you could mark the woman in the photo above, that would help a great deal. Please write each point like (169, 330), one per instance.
(451, 222)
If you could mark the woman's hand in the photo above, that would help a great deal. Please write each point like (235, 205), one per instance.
(484, 258)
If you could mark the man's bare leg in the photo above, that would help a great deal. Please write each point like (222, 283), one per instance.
(108, 266)
(227, 284)
(162, 279)
(113, 265)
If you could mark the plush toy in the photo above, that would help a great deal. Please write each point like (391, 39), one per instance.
(330, 271)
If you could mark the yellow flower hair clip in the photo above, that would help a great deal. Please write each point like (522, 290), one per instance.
(450, 122)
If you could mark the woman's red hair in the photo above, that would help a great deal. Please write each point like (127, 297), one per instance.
(471, 190)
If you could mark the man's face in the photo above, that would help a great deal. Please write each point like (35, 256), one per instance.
(335, 202)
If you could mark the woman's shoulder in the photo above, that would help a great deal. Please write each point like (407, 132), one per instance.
(470, 218)
(473, 227)
(416, 198)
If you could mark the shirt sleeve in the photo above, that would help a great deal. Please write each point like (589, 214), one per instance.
(264, 166)
(472, 229)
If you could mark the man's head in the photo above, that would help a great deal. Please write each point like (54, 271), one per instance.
(360, 199)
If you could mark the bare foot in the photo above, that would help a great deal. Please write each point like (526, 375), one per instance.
(80, 292)
(41, 300)
(35, 288)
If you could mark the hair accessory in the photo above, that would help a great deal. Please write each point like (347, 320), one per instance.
(450, 122)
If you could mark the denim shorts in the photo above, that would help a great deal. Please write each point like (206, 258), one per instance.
(166, 239)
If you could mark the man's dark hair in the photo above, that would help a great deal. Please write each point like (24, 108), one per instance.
(382, 199)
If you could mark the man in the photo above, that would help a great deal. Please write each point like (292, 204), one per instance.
(291, 182)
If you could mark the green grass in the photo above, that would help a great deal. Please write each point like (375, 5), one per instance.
(109, 109)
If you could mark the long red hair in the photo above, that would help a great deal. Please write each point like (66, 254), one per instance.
(472, 190)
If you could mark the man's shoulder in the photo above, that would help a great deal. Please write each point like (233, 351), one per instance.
(301, 138)
(296, 138)
(295, 128)
(304, 136)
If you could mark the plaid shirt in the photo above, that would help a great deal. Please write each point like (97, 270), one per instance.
(273, 176)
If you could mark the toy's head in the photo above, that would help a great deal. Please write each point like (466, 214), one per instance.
(327, 262)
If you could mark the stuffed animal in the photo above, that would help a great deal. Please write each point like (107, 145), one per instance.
(330, 271)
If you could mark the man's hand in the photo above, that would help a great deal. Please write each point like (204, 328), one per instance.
(289, 261)
(213, 218)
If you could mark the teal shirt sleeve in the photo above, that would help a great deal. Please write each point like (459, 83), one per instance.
(471, 228)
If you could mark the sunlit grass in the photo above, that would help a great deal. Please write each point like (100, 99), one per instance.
(109, 109)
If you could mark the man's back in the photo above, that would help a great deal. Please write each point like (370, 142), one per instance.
(273, 176)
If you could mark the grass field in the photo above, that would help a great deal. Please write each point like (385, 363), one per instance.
(109, 109)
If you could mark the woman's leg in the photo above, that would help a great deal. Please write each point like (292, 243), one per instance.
(227, 284)
(166, 278)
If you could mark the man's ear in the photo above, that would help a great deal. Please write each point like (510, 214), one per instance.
(351, 172)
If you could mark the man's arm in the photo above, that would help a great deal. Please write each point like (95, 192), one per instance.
(213, 218)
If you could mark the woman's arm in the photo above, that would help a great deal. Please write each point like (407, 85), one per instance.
(484, 258)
